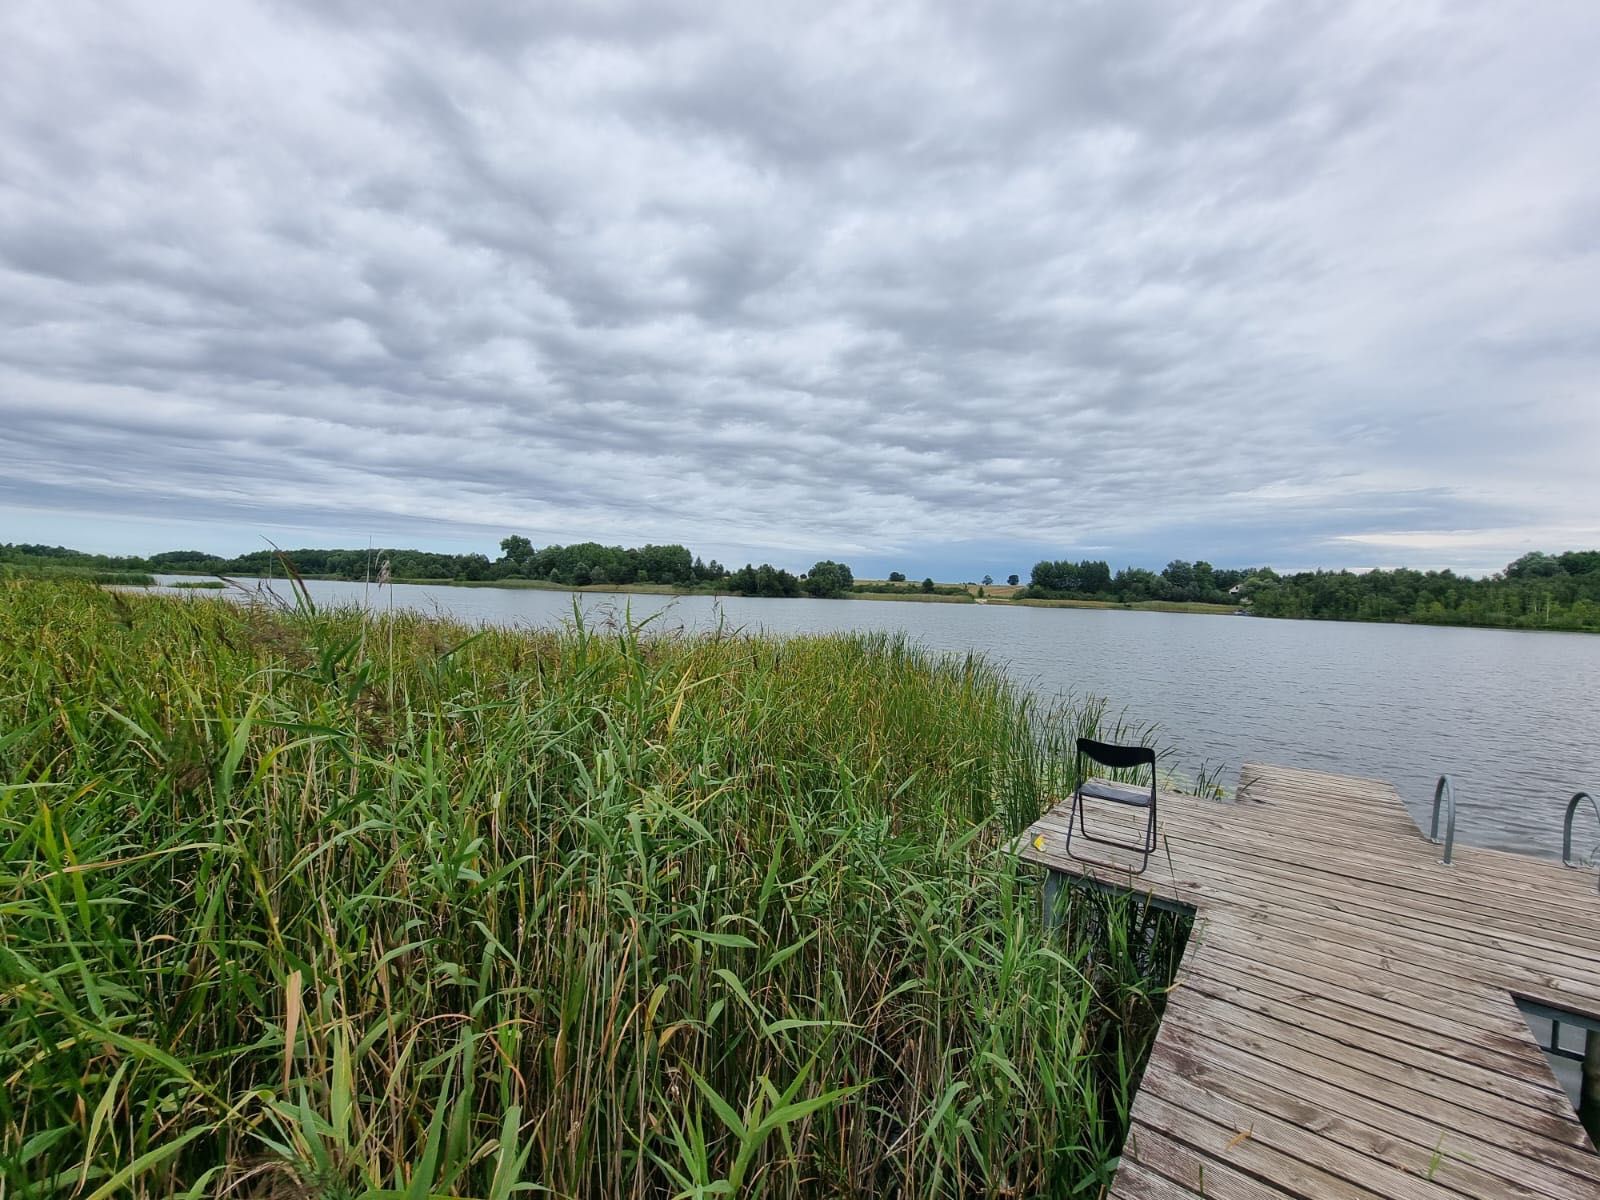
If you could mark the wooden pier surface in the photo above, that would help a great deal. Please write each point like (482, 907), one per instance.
(1342, 1024)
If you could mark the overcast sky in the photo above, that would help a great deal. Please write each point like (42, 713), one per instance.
(948, 287)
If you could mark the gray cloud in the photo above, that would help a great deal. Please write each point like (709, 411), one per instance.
(1309, 280)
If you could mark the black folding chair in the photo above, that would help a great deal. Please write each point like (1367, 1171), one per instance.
(1107, 754)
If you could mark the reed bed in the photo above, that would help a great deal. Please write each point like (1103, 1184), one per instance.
(332, 904)
(107, 575)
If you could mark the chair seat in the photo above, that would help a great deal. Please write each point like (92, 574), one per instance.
(1117, 793)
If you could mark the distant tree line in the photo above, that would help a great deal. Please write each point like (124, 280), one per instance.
(1537, 591)
(1091, 579)
(586, 563)
(582, 564)
(765, 580)
(589, 563)
(896, 585)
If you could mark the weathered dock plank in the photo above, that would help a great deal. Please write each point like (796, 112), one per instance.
(1344, 1022)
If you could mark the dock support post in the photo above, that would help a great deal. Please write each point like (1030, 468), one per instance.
(1052, 896)
(1589, 1096)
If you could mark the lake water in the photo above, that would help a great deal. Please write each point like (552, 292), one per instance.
(1512, 716)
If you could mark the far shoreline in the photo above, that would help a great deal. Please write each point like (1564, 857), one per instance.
(1190, 607)
(1178, 607)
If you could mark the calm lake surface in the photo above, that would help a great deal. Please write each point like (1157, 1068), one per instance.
(1512, 716)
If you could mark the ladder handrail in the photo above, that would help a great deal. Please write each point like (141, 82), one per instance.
(1566, 826)
(1445, 789)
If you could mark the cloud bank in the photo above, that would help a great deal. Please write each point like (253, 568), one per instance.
(1292, 282)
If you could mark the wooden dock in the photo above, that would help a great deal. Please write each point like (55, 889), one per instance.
(1343, 1023)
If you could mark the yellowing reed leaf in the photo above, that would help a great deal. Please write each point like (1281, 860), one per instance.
(291, 1023)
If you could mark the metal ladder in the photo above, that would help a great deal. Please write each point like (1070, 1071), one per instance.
(1444, 790)
(1444, 796)
(1566, 830)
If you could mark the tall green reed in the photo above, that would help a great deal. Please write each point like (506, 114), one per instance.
(320, 903)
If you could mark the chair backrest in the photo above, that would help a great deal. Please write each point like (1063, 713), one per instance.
(1109, 754)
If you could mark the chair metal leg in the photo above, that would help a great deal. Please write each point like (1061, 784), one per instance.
(1144, 847)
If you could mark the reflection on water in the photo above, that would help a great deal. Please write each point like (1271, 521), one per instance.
(1513, 716)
